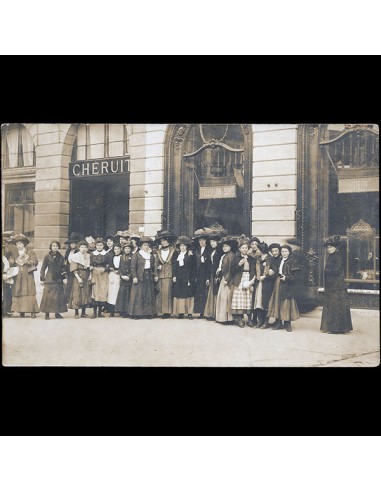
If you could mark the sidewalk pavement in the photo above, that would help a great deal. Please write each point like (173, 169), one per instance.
(178, 343)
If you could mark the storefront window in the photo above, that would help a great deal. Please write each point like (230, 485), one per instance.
(351, 154)
(17, 147)
(20, 209)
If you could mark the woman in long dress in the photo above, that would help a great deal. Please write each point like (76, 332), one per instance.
(142, 297)
(164, 267)
(24, 289)
(114, 277)
(202, 271)
(184, 270)
(274, 264)
(71, 250)
(283, 304)
(212, 283)
(229, 248)
(242, 278)
(80, 294)
(123, 299)
(336, 316)
(263, 285)
(99, 277)
(53, 298)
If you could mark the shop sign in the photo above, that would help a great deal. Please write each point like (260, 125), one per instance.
(208, 192)
(358, 185)
(99, 167)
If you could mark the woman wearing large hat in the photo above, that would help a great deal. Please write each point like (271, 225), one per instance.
(336, 316)
(212, 283)
(202, 270)
(24, 289)
(229, 248)
(184, 268)
(163, 263)
(80, 294)
(72, 249)
(142, 297)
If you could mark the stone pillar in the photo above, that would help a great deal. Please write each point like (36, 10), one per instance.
(146, 145)
(52, 195)
(274, 182)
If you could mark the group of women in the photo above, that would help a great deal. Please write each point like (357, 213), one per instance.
(221, 279)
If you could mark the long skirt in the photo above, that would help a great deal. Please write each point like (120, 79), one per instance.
(142, 297)
(53, 299)
(289, 310)
(274, 304)
(7, 298)
(80, 297)
(123, 299)
(258, 297)
(223, 304)
(113, 288)
(183, 305)
(241, 298)
(25, 304)
(336, 316)
(68, 287)
(210, 307)
(164, 302)
(99, 281)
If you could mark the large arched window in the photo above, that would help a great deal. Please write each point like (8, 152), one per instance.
(208, 177)
(17, 147)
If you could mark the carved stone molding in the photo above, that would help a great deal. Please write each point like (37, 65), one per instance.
(179, 136)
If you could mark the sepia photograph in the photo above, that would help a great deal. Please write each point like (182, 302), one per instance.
(190, 245)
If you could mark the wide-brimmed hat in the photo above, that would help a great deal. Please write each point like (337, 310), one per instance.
(332, 241)
(89, 239)
(74, 238)
(167, 234)
(230, 241)
(123, 234)
(135, 236)
(183, 240)
(200, 234)
(216, 232)
(263, 248)
(20, 237)
(145, 239)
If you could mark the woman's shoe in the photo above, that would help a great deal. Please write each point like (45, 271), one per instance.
(33, 315)
(278, 326)
(58, 316)
(84, 316)
(181, 316)
(22, 315)
(47, 316)
(190, 316)
(76, 316)
(93, 316)
(241, 323)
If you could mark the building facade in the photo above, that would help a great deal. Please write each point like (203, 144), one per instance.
(274, 181)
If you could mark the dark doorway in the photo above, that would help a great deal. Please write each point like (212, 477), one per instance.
(100, 205)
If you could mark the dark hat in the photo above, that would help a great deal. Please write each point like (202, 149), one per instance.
(82, 243)
(230, 242)
(200, 234)
(124, 234)
(145, 239)
(184, 240)
(332, 241)
(74, 238)
(216, 231)
(110, 236)
(287, 246)
(263, 248)
(274, 245)
(254, 238)
(20, 237)
(294, 241)
(165, 234)
(125, 245)
(135, 236)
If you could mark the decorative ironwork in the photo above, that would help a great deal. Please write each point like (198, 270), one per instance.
(180, 135)
(313, 263)
(213, 143)
(361, 228)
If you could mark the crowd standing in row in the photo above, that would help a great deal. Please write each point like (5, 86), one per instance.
(217, 277)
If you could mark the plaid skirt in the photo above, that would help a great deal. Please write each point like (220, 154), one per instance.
(241, 298)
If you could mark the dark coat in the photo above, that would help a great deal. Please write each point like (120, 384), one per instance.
(202, 275)
(290, 287)
(236, 270)
(137, 266)
(99, 261)
(123, 299)
(336, 316)
(214, 262)
(55, 263)
(262, 268)
(184, 274)
(334, 273)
